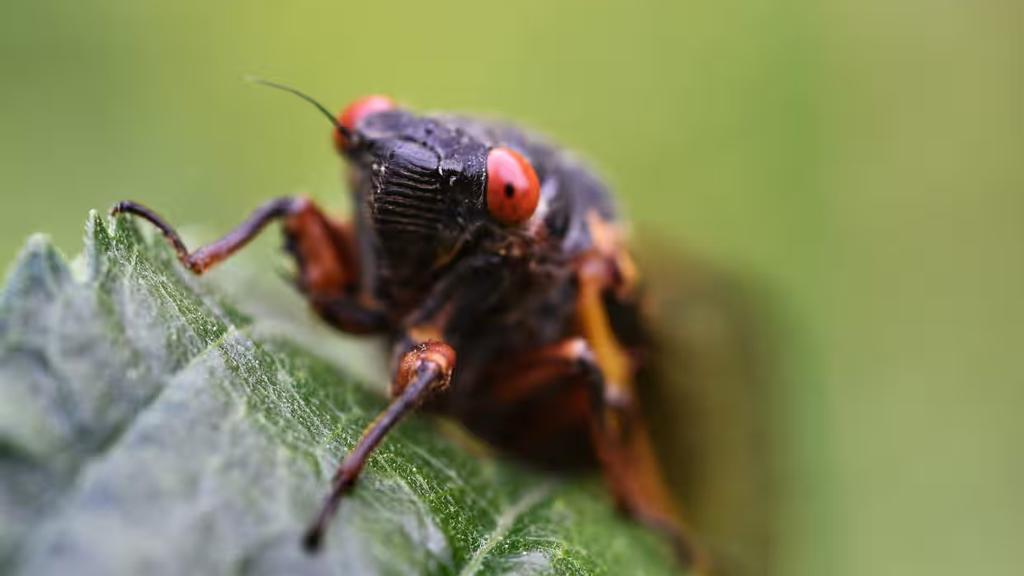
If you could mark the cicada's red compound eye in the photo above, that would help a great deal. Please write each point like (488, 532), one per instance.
(513, 190)
(354, 113)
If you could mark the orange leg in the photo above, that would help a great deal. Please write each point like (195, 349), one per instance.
(635, 478)
(328, 267)
(534, 372)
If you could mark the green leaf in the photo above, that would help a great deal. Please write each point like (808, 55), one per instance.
(148, 426)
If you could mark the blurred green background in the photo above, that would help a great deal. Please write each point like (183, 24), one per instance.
(859, 161)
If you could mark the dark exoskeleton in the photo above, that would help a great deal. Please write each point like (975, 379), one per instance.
(525, 329)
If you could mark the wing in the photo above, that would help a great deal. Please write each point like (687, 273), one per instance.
(704, 388)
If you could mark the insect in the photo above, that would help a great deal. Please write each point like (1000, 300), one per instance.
(495, 263)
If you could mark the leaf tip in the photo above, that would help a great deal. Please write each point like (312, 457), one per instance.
(38, 270)
(110, 236)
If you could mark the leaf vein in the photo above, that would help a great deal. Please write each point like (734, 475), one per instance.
(505, 522)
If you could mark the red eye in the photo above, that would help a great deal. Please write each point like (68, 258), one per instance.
(512, 187)
(352, 115)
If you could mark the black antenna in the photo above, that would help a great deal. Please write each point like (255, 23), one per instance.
(344, 131)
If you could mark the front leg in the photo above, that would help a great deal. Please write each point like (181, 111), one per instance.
(423, 367)
(324, 252)
(424, 370)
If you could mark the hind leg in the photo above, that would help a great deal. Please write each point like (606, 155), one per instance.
(618, 433)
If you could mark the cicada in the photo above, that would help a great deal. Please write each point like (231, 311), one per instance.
(496, 265)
